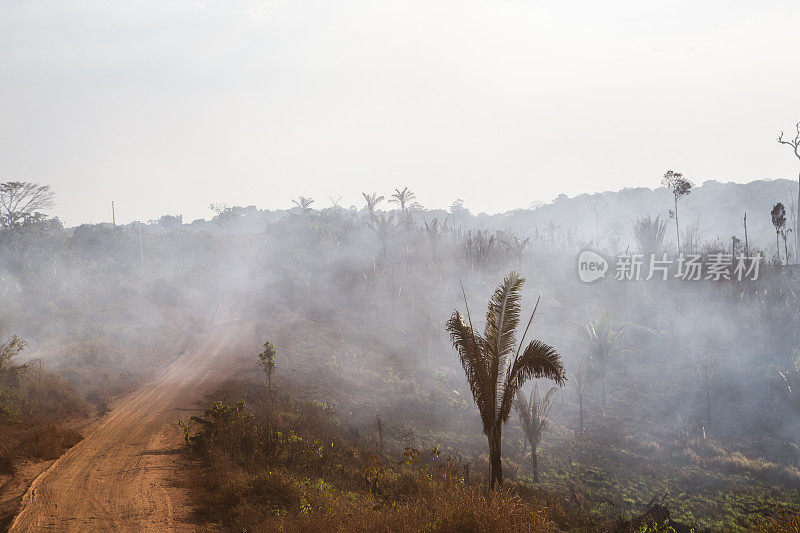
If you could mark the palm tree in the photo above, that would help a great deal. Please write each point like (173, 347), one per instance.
(304, 204)
(778, 214)
(402, 198)
(533, 417)
(649, 234)
(372, 201)
(434, 231)
(517, 247)
(478, 247)
(679, 187)
(601, 339)
(495, 369)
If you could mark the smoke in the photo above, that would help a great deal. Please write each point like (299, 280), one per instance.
(357, 317)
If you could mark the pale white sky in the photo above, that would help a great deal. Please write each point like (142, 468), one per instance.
(166, 106)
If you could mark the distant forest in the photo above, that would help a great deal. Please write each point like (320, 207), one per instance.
(714, 210)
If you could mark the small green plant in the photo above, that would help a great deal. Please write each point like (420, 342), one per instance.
(187, 430)
(10, 377)
(266, 360)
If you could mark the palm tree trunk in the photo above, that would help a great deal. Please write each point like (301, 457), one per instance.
(535, 462)
(494, 457)
(778, 246)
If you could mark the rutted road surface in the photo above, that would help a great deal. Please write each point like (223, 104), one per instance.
(121, 477)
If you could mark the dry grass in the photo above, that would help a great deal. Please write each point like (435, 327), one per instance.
(278, 500)
(306, 473)
(782, 522)
(46, 441)
(40, 429)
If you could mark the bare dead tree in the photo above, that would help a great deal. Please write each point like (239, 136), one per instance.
(785, 235)
(20, 200)
(791, 210)
(707, 366)
(794, 144)
(746, 242)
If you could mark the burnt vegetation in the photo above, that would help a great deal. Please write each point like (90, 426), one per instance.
(373, 400)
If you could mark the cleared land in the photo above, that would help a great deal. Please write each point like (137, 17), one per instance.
(122, 475)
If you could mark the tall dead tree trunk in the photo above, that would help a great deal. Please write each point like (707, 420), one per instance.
(794, 144)
(746, 243)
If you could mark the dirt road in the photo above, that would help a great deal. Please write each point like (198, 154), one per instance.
(121, 476)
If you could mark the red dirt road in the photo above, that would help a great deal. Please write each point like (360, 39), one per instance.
(121, 477)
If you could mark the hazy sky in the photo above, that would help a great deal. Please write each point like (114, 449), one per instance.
(170, 105)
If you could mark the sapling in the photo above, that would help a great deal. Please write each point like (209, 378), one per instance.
(533, 417)
(266, 360)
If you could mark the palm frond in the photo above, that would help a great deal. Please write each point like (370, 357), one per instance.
(547, 403)
(524, 411)
(538, 360)
(533, 414)
(471, 348)
(502, 319)
(602, 338)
